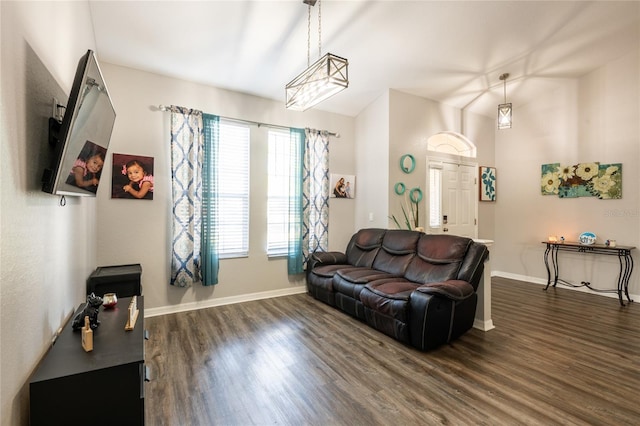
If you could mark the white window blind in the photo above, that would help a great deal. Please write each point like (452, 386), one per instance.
(233, 189)
(279, 157)
(435, 197)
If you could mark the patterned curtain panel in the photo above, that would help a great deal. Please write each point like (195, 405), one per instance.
(315, 193)
(295, 258)
(187, 144)
(210, 234)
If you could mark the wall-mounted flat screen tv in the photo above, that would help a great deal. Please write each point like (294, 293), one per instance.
(81, 140)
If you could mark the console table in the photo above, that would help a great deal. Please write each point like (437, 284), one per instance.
(101, 387)
(624, 257)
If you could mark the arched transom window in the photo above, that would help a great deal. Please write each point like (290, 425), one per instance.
(451, 143)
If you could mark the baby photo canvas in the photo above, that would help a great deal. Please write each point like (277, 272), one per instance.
(132, 177)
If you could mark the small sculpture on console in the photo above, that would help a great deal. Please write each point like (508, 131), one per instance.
(90, 309)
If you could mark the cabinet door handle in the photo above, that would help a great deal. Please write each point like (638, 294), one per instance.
(147, 374)
(144, 376)
(146, 334)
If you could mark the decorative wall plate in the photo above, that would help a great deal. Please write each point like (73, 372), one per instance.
(587, 238)
(407, 163)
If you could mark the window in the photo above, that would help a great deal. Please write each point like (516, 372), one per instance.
(435, 196)
(281, 153)
(233, 189)
(451, 143)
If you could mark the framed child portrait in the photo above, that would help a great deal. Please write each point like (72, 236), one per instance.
(132, 177)
(87, 169)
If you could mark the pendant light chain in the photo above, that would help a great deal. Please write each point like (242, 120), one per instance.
(308, 35)
(319, 28)
(505, 90)
(309, 32)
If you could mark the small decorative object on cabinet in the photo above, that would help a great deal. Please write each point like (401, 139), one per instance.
(102, 387)
(89, 309)
(110, 300)
(587, 238)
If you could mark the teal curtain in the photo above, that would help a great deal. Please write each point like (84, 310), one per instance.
(295, 258)
(209, 237)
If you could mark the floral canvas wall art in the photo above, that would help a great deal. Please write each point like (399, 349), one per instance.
(550, 179)
(603, 181)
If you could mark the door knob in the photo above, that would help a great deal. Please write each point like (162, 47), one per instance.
(445, 229)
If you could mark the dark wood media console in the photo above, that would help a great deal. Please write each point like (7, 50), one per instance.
(101, 387)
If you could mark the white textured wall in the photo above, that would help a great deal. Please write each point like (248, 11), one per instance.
(47, 251)
(412, 121)
(594, 118)
(398, 123)
(138, 231)
(372, 146)
(481, 130)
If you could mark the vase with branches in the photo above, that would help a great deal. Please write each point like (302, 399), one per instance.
(410, 214)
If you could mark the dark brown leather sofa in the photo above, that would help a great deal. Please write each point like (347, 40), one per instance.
(419, 289)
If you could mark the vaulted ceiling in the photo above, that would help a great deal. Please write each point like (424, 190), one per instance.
(449, 51)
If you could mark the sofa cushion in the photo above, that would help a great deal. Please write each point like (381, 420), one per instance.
(438, 258)
(329, 270)
(392, 288)
(452, 289)
(386, 303)
(351, 281)
(397, 251)
(389, 297)
(362, 275)
(363, 247)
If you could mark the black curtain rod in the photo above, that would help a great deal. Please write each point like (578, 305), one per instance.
(277, 126)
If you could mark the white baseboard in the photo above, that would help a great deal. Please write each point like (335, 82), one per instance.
(543, 281)
(192, 306)
(519, 277)
(482, 325)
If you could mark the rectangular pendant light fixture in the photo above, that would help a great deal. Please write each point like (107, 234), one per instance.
(504, 110)
(504, 116)
(323, 79)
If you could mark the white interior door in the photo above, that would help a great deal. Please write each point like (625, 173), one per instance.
(452, 198)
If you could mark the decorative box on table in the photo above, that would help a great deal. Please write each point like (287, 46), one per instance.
(123, 280)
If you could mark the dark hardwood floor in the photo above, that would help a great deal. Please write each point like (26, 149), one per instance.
(556, 357)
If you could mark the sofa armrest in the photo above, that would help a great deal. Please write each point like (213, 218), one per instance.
(326, 258)
(452, 289)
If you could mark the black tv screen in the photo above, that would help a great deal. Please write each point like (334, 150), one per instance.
(81, 140)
